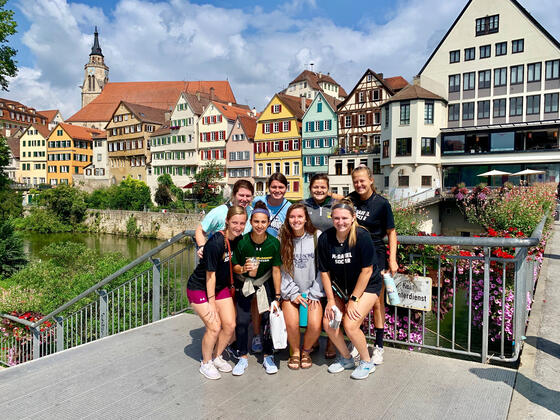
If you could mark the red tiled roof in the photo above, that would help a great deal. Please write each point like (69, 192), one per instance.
(79, 132)
(146, 113)
(249, 125)
(231, 111)
(162, 95)
(43, 129)
(396, 83)
(13, 144)
(49, 114)
(314, 78)
(164, 129)
(415, 92)
(197, 102)
(294, 104)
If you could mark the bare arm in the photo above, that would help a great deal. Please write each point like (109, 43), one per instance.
(211, 294)
(200, 239)
(277, 279)
(392, 237)
(326, 279)
(336, 197)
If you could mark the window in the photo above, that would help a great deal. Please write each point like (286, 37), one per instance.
(266, 128)
(348, 121)
(468, 111)
(404, 146)
(260, 167)
(469, 54)
(286, 168)
(405, 113)
(516, 74)
(276, 148)
(426, 181)
(361, 96)
(517, 46)
(277, 167)
(502, 142)
(551, 102)
(483, 109)
(516, 106)
(275, 127)
(454, 83)
(501, 48)
(385, 149)
(319, 107)
(468, 80)
(362, 120)
(285, 127)
(59, 132)
(533, 105)
(552, 70)
(534, 72)
(386, 116)
(350, 165)
(286, 145)
(500, 77)
(295, 167)
(484, 79)
(454, 112)
(487, 25)
(428, 112)
(268, 169)
(453, 144)
(454, 56)
(428, 146)
(485, 51)
(276, 108)
(296, 144)
(403, 181)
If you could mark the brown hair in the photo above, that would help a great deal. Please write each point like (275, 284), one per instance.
(278, 176)
(369, 174)
(286, 237)
(260, 205)
(242, 183)
(319, 177)
(235, 211)
(345, 204)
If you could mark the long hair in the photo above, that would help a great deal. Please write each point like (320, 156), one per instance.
(287, 236)
(347, 205)
(234, 211)
(369, 174)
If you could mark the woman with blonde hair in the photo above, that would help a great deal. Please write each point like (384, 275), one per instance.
(352, 284)
(301, 283)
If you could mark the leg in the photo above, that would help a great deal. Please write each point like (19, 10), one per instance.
(242, 323)
(226, 310)
(291, 316)
(314, 318)
(336, 336)
(379, 317)
(213, 328)
(255, 317)
(353, 327)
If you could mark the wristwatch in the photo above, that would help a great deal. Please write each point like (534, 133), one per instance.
(354, 298)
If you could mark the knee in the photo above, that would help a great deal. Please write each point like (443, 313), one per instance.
(350, 326)
(214, 328)
(228, 327)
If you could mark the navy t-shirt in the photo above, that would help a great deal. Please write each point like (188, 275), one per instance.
(344, 263)
(375, 214)
(216, 259)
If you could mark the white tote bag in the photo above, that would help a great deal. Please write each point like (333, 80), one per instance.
(278, 327)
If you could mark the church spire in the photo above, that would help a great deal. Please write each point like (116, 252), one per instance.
(96, 49)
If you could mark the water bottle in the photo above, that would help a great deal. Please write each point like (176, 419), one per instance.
(303, 312)
(391, 289)
(335, 322)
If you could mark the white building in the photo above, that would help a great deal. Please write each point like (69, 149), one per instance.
(97, 173)
(340, 170)
(309, 83)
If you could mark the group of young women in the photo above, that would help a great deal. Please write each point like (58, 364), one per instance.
(325, 254)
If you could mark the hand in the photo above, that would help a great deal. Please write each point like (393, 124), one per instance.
(393, 267)
(314, 304)
(200, 251)
(274, 308)
(300, 300)
(352, 311)
(212, 314)
(247, 267)
(328, 310)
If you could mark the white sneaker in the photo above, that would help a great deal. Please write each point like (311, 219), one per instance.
(377, 356)
(221, 364)
(354, 352)
(209, 370)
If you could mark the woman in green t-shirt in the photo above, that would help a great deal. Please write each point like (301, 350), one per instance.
(257, 261)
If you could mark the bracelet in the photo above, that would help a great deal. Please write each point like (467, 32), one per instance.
(209, 297)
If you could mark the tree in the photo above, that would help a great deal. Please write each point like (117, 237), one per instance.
(130, 194)
(205, 187)
(4, 161)
(8, 66)
(163, 195)
(166, 180)
(67, 202)
(12, 256)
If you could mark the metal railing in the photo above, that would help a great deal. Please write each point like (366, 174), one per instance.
(157, 289)
(148, 289)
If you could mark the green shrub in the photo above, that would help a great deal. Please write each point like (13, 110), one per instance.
(42, 221)
(132, 228)
(12, 256)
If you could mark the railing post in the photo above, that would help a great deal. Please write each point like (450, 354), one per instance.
(59, 334)
(36, 342)
(103, 306)
(486, 304)
(156, 278)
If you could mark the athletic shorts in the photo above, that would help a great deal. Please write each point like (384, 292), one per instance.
(199, 296)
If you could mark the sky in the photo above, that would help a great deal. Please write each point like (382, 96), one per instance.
(259, 46)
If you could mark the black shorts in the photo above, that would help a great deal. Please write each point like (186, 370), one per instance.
(374, 285)
(381, 254)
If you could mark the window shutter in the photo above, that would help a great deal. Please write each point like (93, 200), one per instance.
(280, 146)
(289, 125)
(354, 122)
(200, 136)
(369, 120)
(279, 108)
(342, 121)
(291, 145)
(220, 118)
(370, 95)
(357, 97)
(263, 129)
(321, 125)
(269, 147)
(202, 155)
(223, 132)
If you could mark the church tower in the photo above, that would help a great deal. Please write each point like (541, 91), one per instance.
(96, 73)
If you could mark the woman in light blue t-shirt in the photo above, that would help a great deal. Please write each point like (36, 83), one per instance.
(275, 202)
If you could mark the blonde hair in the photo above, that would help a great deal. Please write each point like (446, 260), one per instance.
(345, 204)
(235, 211)
(369, 174)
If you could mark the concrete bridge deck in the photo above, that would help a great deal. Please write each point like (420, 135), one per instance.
(152, 372)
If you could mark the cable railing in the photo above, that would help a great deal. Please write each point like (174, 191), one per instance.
(466, 298)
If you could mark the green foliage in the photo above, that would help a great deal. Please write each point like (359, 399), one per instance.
(205, 187)
(66, 202)
(163, 195)
(166, 180)
(408, 219)
(8, 66)
(99, 199)
(10, 204)
(4, 161)
(12, 256)
(130, 194)
(176, 193)
(42, 221)
(132, 228)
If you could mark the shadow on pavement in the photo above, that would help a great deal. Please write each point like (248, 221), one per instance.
(542, 344)
(533, 391)
(194, 348)
(552, 256)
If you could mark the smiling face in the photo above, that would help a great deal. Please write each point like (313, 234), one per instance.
(236, 224)
(243, 197)
(259, 222)
(277, 190)
(363, 184)
(342, 220)
(319, 190)
(297, 220)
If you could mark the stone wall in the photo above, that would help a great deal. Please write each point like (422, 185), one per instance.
(138, 223)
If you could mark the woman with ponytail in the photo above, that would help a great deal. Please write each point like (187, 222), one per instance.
(301, 284)
(352, 283)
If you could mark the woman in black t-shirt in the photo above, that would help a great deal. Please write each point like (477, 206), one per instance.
(208, 291)
(352, 283)
(375, 214)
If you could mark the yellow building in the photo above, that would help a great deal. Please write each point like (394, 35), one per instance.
(69, 150)
(278, 143)
(33, 155)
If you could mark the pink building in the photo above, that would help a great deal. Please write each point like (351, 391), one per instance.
(239, 149)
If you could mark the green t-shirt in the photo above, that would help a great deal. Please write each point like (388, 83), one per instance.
(268, 253)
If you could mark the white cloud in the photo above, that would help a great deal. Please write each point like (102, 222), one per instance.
(259, 52)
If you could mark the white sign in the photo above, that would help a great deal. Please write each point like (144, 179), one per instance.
(415, 292)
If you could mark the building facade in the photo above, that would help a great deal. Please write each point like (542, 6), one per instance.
(499, 69)
(278, 143)
(309, 84)
(319, 137)
(240, 155)
(96, 73)
(33, 155)
(341, 167)
(98, 170)
(15, 116)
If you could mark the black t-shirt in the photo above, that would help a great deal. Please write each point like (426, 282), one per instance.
(374, 214)
(344, 263)
(215, 258)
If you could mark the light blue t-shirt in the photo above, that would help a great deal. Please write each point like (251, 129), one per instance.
(277, 214)
(215, 220)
